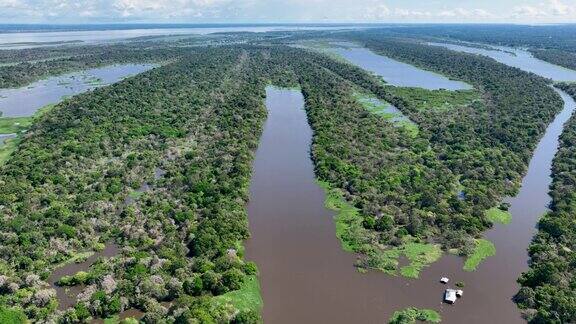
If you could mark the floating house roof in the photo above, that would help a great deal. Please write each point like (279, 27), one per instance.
(450, 296)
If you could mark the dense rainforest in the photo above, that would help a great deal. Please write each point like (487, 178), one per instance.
(548, 290)
(64, 192)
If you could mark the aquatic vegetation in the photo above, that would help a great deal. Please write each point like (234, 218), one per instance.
(497, 215)
(9, 125)
(482, 250)
(7, 147)
(412, 315)
(17, 125)
(387, 111)
(438, 100)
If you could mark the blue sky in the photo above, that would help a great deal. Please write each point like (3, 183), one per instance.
(177, 11)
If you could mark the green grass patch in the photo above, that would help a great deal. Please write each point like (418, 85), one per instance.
(247, 298)
(420, 255)
(9, 125)
(497, 215)
(413, 314)
(12, 316)
(7, 148)
(483, 250)
(357, 239)
(423, 99)
(135, 194)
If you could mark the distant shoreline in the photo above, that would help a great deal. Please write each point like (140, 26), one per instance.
(38, 28)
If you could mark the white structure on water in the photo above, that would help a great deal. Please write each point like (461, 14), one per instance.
(444, 280)
(450, 296)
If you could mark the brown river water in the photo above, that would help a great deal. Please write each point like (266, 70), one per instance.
(67, 295)
(306, 277)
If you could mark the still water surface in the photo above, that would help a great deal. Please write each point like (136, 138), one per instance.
(67, 295)
(395, 72)
(307, 278)
(4, 137)
(25, 101)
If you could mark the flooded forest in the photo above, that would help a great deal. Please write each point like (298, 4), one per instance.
(314, 175)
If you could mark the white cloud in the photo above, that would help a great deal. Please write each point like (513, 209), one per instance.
(466, 13)
(546, 10)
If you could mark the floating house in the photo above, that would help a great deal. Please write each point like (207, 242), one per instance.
(450, 296)
(444, 280)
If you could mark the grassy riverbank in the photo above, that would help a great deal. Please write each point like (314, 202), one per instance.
(246, 299)
(497, 215)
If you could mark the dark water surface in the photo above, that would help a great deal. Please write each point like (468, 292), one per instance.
(307, 278)
(25, 101)
(67, 295)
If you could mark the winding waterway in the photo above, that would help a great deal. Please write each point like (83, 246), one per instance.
(307, 278)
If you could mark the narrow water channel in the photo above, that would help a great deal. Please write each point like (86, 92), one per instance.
(305, 276)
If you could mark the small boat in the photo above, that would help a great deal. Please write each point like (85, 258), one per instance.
(444, 280)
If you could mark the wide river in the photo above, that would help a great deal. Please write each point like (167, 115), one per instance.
(307, 278)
